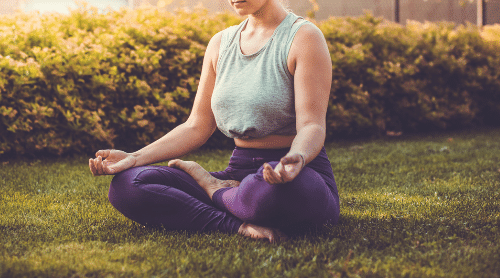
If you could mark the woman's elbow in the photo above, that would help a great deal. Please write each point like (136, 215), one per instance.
(203, 129)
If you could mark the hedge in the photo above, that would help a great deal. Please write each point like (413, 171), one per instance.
(76, 83)
(419, 77)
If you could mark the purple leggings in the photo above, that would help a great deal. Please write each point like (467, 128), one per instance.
(169, 197)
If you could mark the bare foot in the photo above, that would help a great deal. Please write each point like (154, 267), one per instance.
(258, 232)
(202, 177)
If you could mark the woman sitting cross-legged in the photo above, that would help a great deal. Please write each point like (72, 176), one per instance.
(265, 83)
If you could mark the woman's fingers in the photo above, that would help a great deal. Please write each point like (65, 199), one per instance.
(92, 167)
(109, 162)
(265, 173)
(268, 174)
(266, 177)
(287, 160)
(292, 165)
(282, 172)
(104, 166)
(97, 166)
(287, 169)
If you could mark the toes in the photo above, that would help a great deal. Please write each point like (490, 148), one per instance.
(192, 168)
(262, 233)
(174, 163)
(184, 165)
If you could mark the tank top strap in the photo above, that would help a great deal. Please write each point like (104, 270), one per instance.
(283, 31)
(291, 19)
(228, 37)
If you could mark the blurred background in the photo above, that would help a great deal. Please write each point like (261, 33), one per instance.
(458, 11)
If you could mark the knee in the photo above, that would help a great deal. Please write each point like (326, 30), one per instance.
(307, 187)
(307, 195)
(126, 177)
(125, 186)
(138, 176)
(121, 186)
(126, 192)
(309, 198)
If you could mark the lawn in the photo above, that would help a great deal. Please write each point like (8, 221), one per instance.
(411, 206)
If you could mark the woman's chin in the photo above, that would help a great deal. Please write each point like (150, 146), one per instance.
(243, 8)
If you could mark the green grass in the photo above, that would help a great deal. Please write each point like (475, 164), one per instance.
(421, 206)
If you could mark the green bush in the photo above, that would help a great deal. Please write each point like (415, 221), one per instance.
(415, 78)
(86, 81)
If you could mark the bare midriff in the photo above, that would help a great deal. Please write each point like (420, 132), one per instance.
(268, 142)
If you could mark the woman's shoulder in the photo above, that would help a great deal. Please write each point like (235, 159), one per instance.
(306, 28)
(308, 44)
(306, 32)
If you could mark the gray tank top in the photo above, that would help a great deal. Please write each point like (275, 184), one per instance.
(254, 94)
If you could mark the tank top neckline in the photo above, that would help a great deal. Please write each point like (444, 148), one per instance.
(265, 45)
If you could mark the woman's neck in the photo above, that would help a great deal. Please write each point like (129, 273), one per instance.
(268, 17)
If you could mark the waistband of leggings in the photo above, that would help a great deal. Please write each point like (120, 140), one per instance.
(264, 153)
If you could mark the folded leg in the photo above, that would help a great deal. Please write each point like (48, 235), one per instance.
(303, 203)
(168, 197)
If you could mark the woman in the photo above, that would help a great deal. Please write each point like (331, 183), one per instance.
(265, 83)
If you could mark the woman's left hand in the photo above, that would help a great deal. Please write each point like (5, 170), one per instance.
(287, 169)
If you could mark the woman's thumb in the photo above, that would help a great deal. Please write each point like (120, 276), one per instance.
(102, 153)
(288, 160)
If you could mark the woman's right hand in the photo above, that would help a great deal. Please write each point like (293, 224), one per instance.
(110, 162)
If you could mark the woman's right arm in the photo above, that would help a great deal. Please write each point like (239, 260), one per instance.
(181, 140)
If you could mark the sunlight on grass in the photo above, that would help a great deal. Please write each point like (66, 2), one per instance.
(413, 206)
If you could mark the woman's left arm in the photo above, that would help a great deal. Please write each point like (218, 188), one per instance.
(310, 62)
